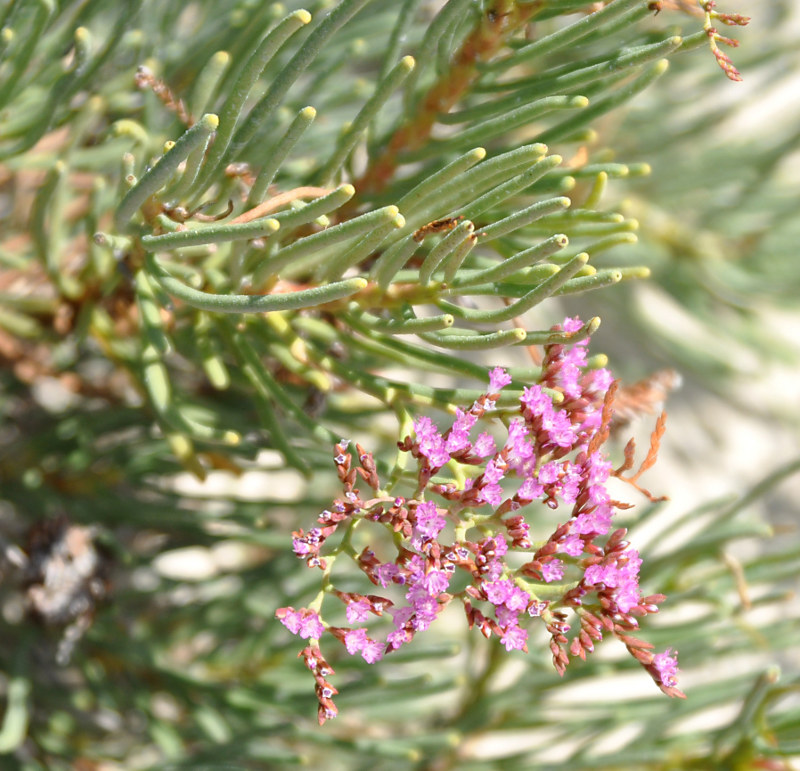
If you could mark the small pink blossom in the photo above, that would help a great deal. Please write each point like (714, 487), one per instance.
(355, 640)
(386, 572)
(515, 638)
(431, 442)
(372, 651)
(484, 445)
(667, 665)
(304, 622)
(553, 570)
(357, 611)
(498, 379)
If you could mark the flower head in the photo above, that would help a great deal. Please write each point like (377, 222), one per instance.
(485, 489)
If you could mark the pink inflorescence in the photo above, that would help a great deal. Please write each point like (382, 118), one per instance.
(552, 453)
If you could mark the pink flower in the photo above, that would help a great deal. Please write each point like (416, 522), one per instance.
(357, 611)
(428, 522)
(497, 591)
(372, 651)
(517, 599)
(572, 545)
(500, 545)
(553, 570)
(515, 638)
(355, 640)
(303, 622)
(597, 521)
(458, 438)
(549, 473)
(386, 572)
(667, 665)
(430, 441)
(530, 489)
(498, 379)
(484, 445)
(536, 401)
(435, 582)
(491, 494)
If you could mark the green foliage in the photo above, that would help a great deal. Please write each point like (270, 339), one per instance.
(236, 231)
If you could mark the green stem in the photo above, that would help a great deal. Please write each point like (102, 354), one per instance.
(306, 54)
(243, 303)
(348, 140)
(167, 165)
(211, 234)
(548, 287)
(277, 155)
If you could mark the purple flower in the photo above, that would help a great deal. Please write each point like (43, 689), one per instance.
(559, 428)
(431, 443)
(491, 494)
(494, 570)
(572, 545)
(301, 547)
(597, 469)
(572, 324)
(667, 665)
(536, 400)
(627, 596)
(494, 472)
(595, 521)
(357, 611)
(428, 522)
(530, 489)
(435, 582)
(458, 438)
(484, 445)
(598, 380)
(515, 638)
(517, 599)
(386, 572)
(601, 574)
(622, 578)
(536, 608)
(303, 622)
(500, 545)
(398, 637)
(571, 483)
(521, 452)
(498, 379)
(372, 651)
(549, 473)
(553, 570)
(497, 591)
(505, 616)
(355, 640)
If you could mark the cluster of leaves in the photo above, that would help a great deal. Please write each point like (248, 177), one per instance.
(222, 222)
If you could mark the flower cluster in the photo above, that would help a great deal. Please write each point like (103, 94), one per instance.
(463, 535)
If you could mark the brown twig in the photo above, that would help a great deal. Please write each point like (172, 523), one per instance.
(146, 79)
(485, 41)
(269, 206)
